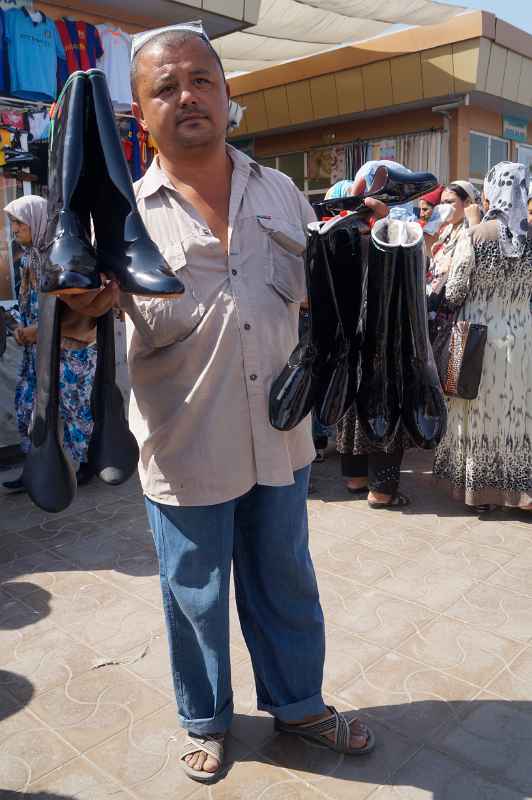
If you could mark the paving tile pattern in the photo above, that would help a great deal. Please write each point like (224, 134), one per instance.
(429, 639)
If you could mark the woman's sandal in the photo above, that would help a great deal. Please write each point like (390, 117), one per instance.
(214, 747)
(337, 723)
(397, 500)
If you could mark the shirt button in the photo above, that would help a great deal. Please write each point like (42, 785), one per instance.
(247, 326)
(253, 377)
(234, 272)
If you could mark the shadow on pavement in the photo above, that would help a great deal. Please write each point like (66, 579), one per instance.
(458, 750)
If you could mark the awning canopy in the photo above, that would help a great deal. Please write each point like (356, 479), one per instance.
(289, 29)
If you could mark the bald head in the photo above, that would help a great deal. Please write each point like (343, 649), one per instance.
(163, 41)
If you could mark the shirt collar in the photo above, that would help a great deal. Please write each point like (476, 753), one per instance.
(155, 177)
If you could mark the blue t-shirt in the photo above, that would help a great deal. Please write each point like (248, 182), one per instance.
(3, 54)
(33, 49)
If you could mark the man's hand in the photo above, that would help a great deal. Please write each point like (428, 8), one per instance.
(94, 303)
(379, 209)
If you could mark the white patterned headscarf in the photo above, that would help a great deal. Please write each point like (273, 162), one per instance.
(506, 189)
(32, 210)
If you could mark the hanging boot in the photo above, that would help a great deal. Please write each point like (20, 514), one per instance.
(423, 407)
(125, 250)
(48, 475)
(377, 399)
(345, 269)
(113, 450)
(293, 393)
(71, 264)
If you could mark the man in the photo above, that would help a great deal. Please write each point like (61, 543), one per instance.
(221, 485)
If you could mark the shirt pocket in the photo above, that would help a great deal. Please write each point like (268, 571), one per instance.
(285, 271)
(172, 320)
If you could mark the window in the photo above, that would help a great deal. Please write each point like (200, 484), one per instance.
(484, 152)
(311, 172)
(524, 156)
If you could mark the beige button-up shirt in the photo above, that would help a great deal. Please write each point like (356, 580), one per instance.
(201, 366)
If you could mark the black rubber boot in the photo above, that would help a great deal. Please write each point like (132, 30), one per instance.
(71, 264)
(293, 393)
(48, 475)
(125, 250)
(345, 267)
(377, 398)
(113, 450)
(423, 407)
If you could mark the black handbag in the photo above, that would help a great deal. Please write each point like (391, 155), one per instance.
(459, 353)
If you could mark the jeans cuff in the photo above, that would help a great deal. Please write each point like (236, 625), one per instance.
(218, 724)
(296, 711)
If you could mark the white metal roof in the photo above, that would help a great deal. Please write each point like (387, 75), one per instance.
(289, 29)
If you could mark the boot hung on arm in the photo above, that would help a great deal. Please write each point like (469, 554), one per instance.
(423, 406)
(125, 250)
(71, 263)
(113, 450)
(378, 394)
(48, 475)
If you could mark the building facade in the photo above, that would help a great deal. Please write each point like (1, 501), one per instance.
(453, 98)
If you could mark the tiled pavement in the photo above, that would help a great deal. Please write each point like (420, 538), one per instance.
(429, 636)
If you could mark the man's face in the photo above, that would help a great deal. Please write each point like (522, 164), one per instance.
(182, 94)
(425, 210)
(530, 212)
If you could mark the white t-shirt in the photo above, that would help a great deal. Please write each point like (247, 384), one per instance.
(39, 122)
(115, 62)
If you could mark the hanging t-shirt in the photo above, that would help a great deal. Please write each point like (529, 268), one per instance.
(115, 62)
(39, 124)
(34, 48)
(82, 45)
(3, 56)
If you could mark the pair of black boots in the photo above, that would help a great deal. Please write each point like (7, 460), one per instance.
(89, 179)
(398, 378)
(368, 340)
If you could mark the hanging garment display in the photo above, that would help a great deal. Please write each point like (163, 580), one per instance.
(4, 83)
(82, 43)
(48, 475)
(113, 450)
(89, 178)
(34, 48)
(115, 63)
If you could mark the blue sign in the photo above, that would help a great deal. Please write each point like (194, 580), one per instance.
(515, 129)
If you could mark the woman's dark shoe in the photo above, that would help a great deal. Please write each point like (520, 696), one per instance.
(113, 450)
(71, 264)
(15, 486)
(48, 475)
(377, 399)
(423, 407)
(125, 250)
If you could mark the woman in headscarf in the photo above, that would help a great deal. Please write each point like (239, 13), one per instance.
(486, 456)
(460, 196)
(28, 217)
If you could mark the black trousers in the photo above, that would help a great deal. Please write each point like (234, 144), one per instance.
(383, 470)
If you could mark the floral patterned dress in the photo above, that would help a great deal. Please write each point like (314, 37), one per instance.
(76, 377)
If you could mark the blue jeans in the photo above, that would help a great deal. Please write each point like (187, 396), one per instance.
(264, 534)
